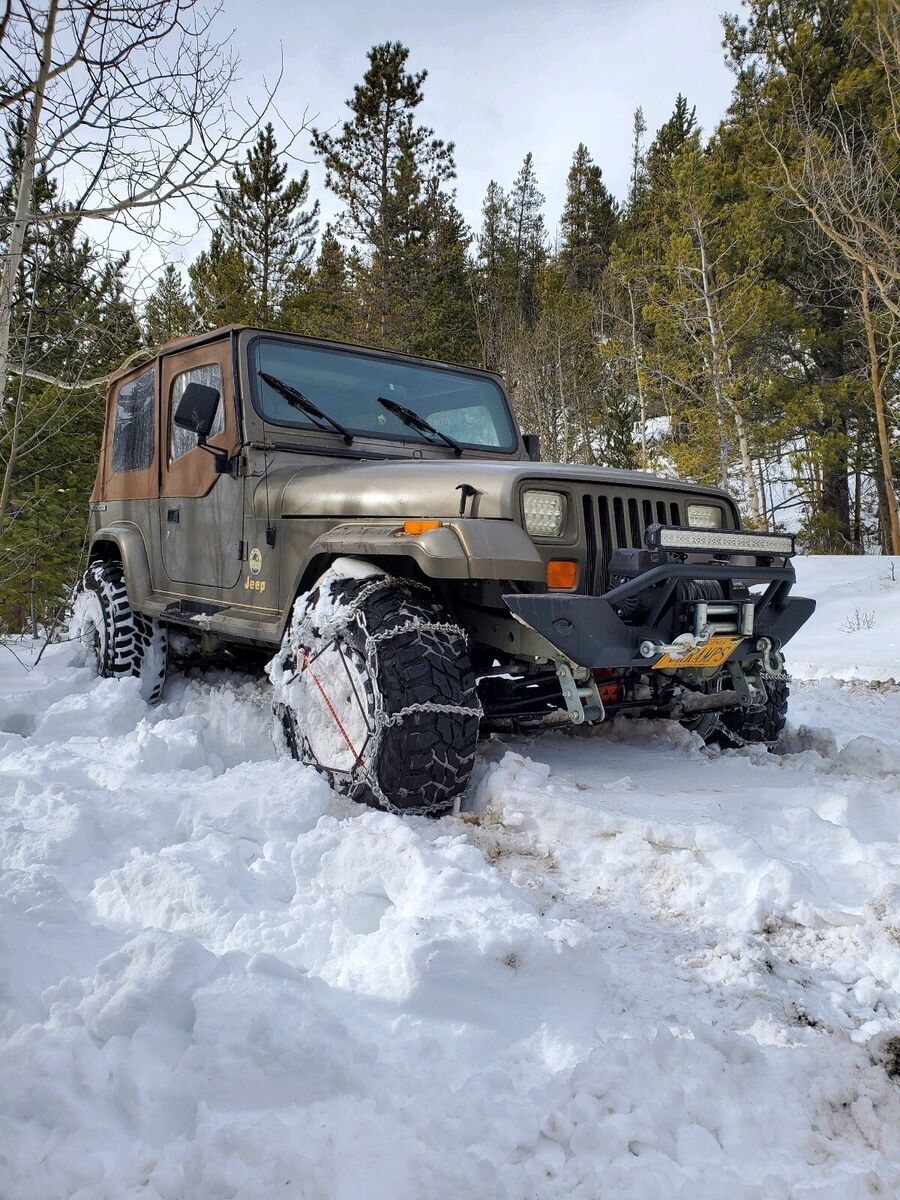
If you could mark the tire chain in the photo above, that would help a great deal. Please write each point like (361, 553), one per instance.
(740, 743)
(321, 635)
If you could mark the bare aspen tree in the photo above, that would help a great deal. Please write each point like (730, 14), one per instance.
(127, 109)
(884, 445)
(845, 179)
(639, 382)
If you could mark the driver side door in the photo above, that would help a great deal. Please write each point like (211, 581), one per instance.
(200, 510)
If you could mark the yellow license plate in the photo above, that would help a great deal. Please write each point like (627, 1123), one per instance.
(716, 651)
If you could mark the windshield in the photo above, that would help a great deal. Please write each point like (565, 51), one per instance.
(347, 385)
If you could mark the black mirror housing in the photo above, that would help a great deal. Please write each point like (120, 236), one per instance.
(196, 409)
(532, 446)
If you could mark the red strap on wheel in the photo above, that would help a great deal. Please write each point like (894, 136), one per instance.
(337, 720)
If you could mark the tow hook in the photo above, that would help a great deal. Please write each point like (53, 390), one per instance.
(772, 660)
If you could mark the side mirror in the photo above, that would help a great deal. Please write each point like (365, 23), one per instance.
(532, 446)
(196, 409)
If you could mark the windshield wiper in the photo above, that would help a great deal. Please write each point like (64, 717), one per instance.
(296, 398)
(414, 421)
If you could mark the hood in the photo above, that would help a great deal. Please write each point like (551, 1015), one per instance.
(428, 488)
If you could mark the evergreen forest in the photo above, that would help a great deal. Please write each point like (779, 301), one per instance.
(732, 319)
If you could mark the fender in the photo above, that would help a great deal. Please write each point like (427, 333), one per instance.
(128, 545)
(459, 548)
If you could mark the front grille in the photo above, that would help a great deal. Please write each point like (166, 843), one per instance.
(616, 520)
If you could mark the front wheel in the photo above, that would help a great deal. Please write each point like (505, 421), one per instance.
(374, 688)
(760, 725)
(116, 640)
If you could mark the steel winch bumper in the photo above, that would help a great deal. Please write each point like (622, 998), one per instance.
(588, 630)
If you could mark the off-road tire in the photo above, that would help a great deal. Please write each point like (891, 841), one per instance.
(762, 725)
(118, 641)
(752, 726)
(417, 693)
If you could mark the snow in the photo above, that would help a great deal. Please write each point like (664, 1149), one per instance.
(855, 633)
(635, 968)
(308, 668)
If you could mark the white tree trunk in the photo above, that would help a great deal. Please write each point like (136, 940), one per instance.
(640, 383)
(718, 364)
(884, 443)
(16, 246)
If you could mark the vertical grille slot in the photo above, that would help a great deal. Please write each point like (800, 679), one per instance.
(634, 521)
(619, 514)
(648, 513)
(592, 580)
(606, 540)
(661, 512)
(676, 513)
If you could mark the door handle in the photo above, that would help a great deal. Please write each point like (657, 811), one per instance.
(173, 516)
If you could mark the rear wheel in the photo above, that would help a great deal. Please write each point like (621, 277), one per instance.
(115, 639)
(374, 688)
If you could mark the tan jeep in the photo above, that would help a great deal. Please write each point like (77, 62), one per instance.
(377, 526)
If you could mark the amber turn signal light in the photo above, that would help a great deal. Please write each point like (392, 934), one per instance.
(416, 527)
(561, 574)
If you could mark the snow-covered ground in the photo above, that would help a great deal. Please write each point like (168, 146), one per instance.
(855, 633)
(646, 971)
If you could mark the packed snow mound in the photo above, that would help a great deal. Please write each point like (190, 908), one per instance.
(635, 967)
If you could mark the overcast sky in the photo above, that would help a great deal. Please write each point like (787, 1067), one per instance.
(504, 76)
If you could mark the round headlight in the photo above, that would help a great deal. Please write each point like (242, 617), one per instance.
(704, 516)
(545, 513)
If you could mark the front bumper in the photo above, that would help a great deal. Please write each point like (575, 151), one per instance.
(589, 631)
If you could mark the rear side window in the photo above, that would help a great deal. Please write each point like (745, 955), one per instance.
(183, 440)
(132, 448)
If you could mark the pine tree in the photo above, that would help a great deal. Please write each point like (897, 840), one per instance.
(380, 167)
(529, 238)
(265, 219)
(222, 291)
(439, 315)
(494, 275)
(495, 248)
(328, 308)
(168, 313)
(669, 140)
(637, 179)
(589, 222)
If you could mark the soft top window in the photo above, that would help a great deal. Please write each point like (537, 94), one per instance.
(132, 448)
(182, 441)
(347, 385)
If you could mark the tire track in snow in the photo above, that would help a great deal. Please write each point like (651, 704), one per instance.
(816, 956)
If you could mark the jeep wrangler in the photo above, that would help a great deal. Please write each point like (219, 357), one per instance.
(377, 526)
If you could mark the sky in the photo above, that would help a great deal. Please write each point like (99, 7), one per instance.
(504, 77)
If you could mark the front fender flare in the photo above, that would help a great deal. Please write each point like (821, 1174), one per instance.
(131, 551)
(458, 549)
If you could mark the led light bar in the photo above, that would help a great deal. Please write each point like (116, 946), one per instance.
(672, 537)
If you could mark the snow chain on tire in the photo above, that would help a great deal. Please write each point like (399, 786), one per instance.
(422, 710)
(761, 726)
(124, 643)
